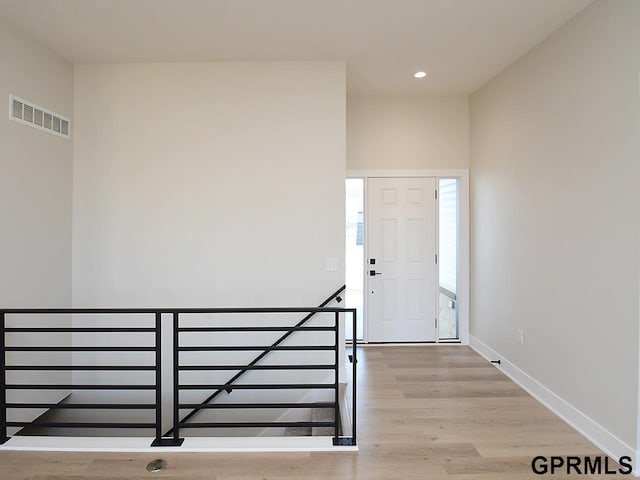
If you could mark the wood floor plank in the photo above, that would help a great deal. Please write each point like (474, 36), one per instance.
(436, 412)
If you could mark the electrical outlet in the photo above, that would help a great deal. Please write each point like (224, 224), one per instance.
(520, 336)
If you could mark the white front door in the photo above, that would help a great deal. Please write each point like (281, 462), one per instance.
(401, 264)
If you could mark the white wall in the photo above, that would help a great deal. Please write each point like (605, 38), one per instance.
(211, 185)
(35, 183)
(407, 132)
(35, 202)
(555, 165)
(217, 184)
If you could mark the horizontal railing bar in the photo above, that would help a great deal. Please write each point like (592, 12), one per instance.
(86, 406)
(35, 311)
(255, 329)
(255, 424)
(254, 347)
(56, 311)
(256, 367)
(257, 405)
(81, 425)
(259, 386)
(82, 367)
(78, 329)
(78, 387)
(80, 349)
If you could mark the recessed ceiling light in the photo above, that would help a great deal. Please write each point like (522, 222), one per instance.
(420, 74)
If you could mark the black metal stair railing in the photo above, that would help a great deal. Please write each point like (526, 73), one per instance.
(227, 387)
(334, 366)
(153, 335)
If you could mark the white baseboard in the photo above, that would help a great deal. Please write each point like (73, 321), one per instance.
(593, 431)
(191, 444)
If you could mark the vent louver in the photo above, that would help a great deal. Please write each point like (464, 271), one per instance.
(35, 116)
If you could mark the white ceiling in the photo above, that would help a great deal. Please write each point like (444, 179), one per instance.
(461, 44)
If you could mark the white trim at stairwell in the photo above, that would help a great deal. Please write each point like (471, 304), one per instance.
(594, 432)
(191, 444)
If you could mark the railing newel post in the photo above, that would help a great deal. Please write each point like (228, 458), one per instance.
(354, 370)
(158, 370)
(176, 379)
(336, 408)
(3, 382)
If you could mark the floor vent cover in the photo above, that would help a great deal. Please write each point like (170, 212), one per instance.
(156, 465)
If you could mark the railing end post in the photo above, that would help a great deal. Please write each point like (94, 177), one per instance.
(167, 442)
(3, 382)
(344, 442)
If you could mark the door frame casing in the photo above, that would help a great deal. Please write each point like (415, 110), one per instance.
(463, 235)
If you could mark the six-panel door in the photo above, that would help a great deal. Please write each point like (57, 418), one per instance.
(402, 241)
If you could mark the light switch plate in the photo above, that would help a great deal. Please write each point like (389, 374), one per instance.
(332, 264)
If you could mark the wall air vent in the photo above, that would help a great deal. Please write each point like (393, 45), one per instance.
(35, 116)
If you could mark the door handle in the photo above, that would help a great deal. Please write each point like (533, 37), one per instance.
(373, 273)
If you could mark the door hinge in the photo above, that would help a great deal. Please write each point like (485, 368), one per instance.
(436, 194)
(436, 258)
(436, 323)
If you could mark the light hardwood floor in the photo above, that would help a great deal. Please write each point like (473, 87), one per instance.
(425, 412)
